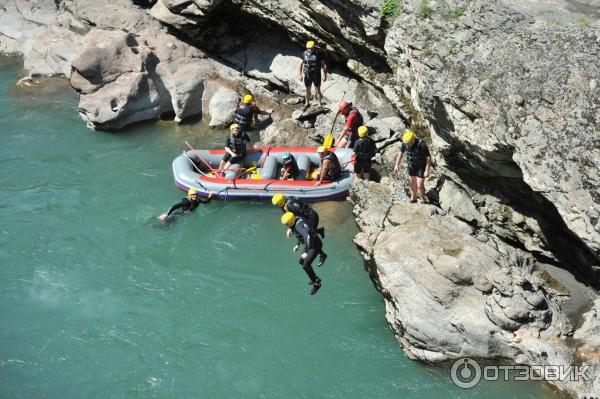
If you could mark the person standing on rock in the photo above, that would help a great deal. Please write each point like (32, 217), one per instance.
(245, 112)
(364, 151)
(418, 160)
(309, 71)
(354, 120)
(313, 247)
(235, 148)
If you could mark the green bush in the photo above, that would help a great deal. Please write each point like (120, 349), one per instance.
(457, 12)
(389, 10)
(425, 9)
(585, 21)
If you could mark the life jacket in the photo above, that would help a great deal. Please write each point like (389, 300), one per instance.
(238, 144)
(358, 122)
(243, 116)
(312, 63)
(364, 148)
(335, 169)
(415, 155)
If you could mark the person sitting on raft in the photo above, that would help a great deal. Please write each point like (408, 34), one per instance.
(235, 147)
(364, 151)
(245, 112)
(330, 166)
(188, 204)
(300, 208)
(313, 246)
(290, 168)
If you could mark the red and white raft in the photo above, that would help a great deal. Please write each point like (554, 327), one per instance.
(258, 176)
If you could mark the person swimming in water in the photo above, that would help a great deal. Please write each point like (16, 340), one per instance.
(188, 204)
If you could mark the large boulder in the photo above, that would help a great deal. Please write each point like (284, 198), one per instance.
(52, 52)
(222, 107)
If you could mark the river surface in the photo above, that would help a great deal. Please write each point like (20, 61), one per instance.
(98, 299)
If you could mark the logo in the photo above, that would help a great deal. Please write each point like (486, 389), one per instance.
(465, 373)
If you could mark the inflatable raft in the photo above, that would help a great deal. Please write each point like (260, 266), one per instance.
(258, 176)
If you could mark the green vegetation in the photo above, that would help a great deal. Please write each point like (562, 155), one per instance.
(450, 44)
(430, 35)
(585, 21)
(457, 12)
(426, 9)
(482, 77)
(389, 10)
(427, 51)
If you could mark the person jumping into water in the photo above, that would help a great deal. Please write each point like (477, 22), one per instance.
(188, 204)
(300, 208)
(313, 246)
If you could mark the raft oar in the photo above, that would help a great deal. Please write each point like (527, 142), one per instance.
(328, 140)
(202, 159)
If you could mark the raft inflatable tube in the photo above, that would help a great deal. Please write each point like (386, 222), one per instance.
(258, 177)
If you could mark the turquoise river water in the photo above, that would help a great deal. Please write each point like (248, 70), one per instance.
(98, 299)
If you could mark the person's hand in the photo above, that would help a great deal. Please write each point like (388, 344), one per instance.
(296, 247)
(303, 256)
(289, 233)
(211, 194)
(163, 217)
(300, 78)
(318, 183)
(395, 169)
(270, 112)
(325, 77)
(427, 173)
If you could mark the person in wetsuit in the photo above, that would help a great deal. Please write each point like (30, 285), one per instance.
(330, 166)
(300, 208)
(290, 168)
(418, 160)
(188, 204)
(313, 247)
(245, 112)
(364, 151)
(235, 147)
(354, 120)
(309, 71)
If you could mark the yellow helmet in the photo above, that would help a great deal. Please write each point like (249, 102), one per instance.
(247, 99)
(310, 44)
(321, 149)
(278, 200)
(408, 136)
(288, 219)
(363, 131)
(191, 192)
(233, 127)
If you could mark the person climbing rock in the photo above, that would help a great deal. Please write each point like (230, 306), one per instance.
(330, 166)
(354, 120)
(313, 247)
(309, 71)
(300, 208)
(290, 168)
(245, 112)
(364, 151)
(188, 204)
(418, 160)
(235, 147)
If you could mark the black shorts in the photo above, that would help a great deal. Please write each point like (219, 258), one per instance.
(417, 170)
(362, 165)
(228, 158)
(312, 80)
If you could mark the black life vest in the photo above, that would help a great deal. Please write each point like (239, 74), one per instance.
(243, 116)
(238, 143)
(335, 169)
(296, 206)
(415, 155)
(291, 165)
(365, 148)
(312, 63)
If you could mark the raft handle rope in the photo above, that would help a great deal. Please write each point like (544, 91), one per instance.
(202, 159)
(337, 113)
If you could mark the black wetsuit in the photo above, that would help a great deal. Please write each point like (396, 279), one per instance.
(187, 205)
(365, 149)
(301, 209)
(416, 157)
(313, 247)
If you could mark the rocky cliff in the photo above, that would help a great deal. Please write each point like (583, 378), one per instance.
(505, 92)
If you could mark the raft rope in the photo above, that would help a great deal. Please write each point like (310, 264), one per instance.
(202, 159)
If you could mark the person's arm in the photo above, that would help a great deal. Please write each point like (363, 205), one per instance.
(324, 168)
(324, 66)
(300, 66)
(179, 205)
(398, 160)
(427, 166)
